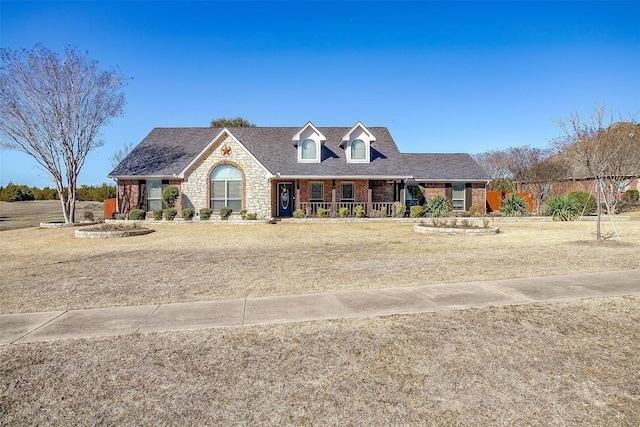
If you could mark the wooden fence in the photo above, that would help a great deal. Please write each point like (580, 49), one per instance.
(109, 208)
(494, 200)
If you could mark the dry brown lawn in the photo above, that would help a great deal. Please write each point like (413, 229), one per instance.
(562, 364)
(16, 215)
(48, 269)
(565, 364)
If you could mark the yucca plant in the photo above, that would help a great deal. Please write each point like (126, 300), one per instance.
(514, 205)
(438, 207)
(561, 208)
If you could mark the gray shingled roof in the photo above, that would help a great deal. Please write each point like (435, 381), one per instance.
(165, 152)
(444, 167)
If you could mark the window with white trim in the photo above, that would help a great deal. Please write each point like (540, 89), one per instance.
(457, 197)
(309, 150)
(347, 192)
(154, 194)
(226, 188)
(358, 150)
(316, 192)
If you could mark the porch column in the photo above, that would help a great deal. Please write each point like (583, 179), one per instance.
(369, 200)
(297, 202)
(333, 201)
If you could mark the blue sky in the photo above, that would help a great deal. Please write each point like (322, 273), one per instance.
(442, 76)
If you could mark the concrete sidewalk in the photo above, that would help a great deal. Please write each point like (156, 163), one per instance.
(58, 325)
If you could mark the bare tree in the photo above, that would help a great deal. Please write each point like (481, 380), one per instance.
(119, 155)
(603, 150)
(52, 108)
(496, 164)
(534, 168)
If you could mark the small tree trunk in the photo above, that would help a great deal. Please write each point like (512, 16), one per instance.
(599, 189)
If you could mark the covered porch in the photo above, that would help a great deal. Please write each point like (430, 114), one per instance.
(376, 197)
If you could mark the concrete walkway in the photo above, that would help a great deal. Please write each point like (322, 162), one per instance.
(59, 325)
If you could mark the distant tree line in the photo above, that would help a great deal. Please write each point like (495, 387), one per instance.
(17, 193)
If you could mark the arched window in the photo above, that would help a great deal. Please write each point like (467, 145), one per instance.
(358, 150)
(226, 188)
(309, 150)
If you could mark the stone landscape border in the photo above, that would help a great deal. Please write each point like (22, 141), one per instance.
(107, 234)
(471, 231)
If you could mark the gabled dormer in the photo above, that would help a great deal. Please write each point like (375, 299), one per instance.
(357, 144)
(309, 141)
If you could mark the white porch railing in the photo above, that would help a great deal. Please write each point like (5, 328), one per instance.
(310, 209)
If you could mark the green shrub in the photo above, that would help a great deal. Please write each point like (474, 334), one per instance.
(383, 212)
(632, 196)
(358, 209)
(321, 212)
(415, 211)
(298, 213)
(137, 214)
(251, 216)
(398, 209)
(514, 205)
(187, 214)
(225, 212)
(342, 212)
(438, 207)
(157, 214)
(561, 208)
(88, 216)
(585, 202)
(170, 195)
(169, 214)
(243, 214)
(205, 213)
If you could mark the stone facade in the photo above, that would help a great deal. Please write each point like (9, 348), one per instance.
(256, 186)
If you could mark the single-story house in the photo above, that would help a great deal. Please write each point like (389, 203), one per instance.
(273, 171)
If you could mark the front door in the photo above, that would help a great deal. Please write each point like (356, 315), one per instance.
(285, 199)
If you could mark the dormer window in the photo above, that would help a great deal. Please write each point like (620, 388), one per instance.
(357, 144)
(358, 150)
(309, 150)
(309, 141)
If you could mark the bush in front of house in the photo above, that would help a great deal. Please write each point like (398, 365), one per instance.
(321, 212)
(225, 212)
(170, 195)
(137, 214)
(514, 205)
(359, 211)
(343, 212)
(251, 216)
(187, 214)
(298, 213)
(205, 213)
(398, 209)
(438, 207)
(632, 196)
(561, 208)
(415, 211)
(157, 214)
(170, 214)
(585, 202)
